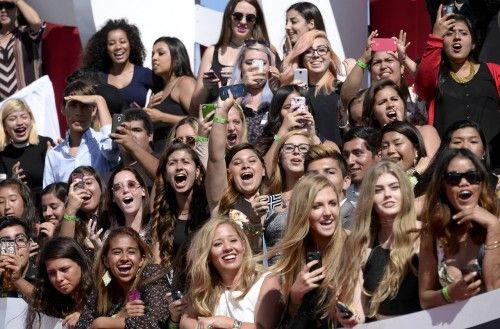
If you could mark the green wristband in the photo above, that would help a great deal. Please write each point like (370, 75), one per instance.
(361, 64)
(277, 137)
(221, 120)
(201, 139)
(446, 295)
(70, 218)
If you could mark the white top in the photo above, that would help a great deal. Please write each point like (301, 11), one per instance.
(242, 310)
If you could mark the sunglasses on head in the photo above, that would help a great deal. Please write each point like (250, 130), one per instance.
(7, 5)
(251, 42)
(454, 178)
(189, 140)
(238, 17)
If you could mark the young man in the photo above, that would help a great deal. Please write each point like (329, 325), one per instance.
(360, 150)
(83, 146)
(325, 160)
(14, 232)
(134, 137)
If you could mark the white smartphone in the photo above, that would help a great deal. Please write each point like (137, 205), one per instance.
(259, 64)
(298, 103)
(301, 75)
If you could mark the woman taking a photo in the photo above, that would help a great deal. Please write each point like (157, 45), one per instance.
(173, 85)
(54, 198)
(460, 248)
(131, 291)
(231, 292)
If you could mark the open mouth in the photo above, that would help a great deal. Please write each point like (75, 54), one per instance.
(124, 269)
(326, 222)
(180, 178)
(296, 161)
(464, 195)
(392, 115)
(86, 197)
(20, 130)
(229, 257)
(128, 199)
(232, 138)
(246, 176)
(456, 46)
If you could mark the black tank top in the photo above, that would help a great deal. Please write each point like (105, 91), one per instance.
(217, 66)
(161, 129)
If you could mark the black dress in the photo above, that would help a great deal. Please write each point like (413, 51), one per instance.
(326, 115)
(161, 130)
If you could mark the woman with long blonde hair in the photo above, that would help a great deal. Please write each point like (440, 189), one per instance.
(227, 287)
(314, 53)
(384, 241)
(311, 288)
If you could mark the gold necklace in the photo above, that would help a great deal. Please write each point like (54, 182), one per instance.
(464, 79)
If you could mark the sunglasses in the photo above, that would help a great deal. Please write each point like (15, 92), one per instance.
(238, 17)
(251, 42)
(7, 5)
(454, 178)
(321, 51)
(189, 140)
(290, 148)
(131, 186)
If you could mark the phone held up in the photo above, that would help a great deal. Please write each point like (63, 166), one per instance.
(237, 90)
(384, 44)
(78, 178)
(118, 118)
(301, 75)
(314, 255)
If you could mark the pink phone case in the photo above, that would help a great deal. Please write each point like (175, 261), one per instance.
(384, 44)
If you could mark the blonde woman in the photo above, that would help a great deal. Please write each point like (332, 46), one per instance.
(22, 150)
(311, 288)
(385, 242)
(227, 289)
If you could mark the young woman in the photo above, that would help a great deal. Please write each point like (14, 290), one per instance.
(231, 292)
(64, 277)
(16, 200)
(86, 199)
(21, 45)
(314, 53)
(180, 204)
(242, 20)
(116, 50)
(311, 286)
(127, 203)
(301, 17)
(173, 85)
(131, 291)
(53, 201)
(454, 84)
(384, 103)
(22, 150)
(460, 251)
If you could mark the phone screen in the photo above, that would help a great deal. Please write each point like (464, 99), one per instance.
(238, 90)
(384, 44)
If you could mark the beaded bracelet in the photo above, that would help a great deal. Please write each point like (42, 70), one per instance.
(361, 64)
(221, 120)
(446, 295)
(201, 139)
(236, 324)
(70, 218)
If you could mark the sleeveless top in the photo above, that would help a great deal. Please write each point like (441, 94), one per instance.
(161, 130)
(217, 66)
(244, 309)
(241, 212)
(326, 115)
(407, 299)
(445, 278)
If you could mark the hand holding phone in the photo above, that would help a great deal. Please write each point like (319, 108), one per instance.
(302, 76)
(206, 109)
(7, 247)
(314, 255)
(384, 44)
(273, 201)
(78, 177)
(238, 90)
(133, 295)
(118, 118)
(258, 64)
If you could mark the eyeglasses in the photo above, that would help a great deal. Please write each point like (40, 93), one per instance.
(131, 186)
(7, 5)
(21, 241)
(320, 50)
(454, 178)
(251, 42)
(290, 148)
(189, 140)
(238, 17)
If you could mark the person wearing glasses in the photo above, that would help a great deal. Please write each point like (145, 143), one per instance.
(17, 262)
(21, 46)
(314, 53)
(460, 248)
(127, 203)
(242, 20)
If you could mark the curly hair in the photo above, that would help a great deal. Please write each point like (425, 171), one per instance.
(205, 282)
(60, 304)
(96, 53)
(165, 207)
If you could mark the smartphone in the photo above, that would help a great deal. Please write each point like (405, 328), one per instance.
(176, 295)
(448, 9)
(78, 177)
(118, 118)
(273, 201)
(314, 255)
(384, 44)
(133, 295)
(210, 75)
(237, 90)
(472, 267)
(301, 75)
(259, 64)
(8, 247)
(344, 310)
(206, 109)
(298, 103)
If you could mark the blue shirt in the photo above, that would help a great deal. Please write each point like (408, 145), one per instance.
(96, 149)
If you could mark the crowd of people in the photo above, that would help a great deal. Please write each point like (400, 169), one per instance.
(263, 193)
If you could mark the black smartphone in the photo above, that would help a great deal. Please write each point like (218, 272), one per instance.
(314, 255)
(118, 118)
(344, 310)
(472, 267)
(237, 90)
(176, 295)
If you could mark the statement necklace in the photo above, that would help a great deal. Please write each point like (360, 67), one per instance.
(464, 79)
